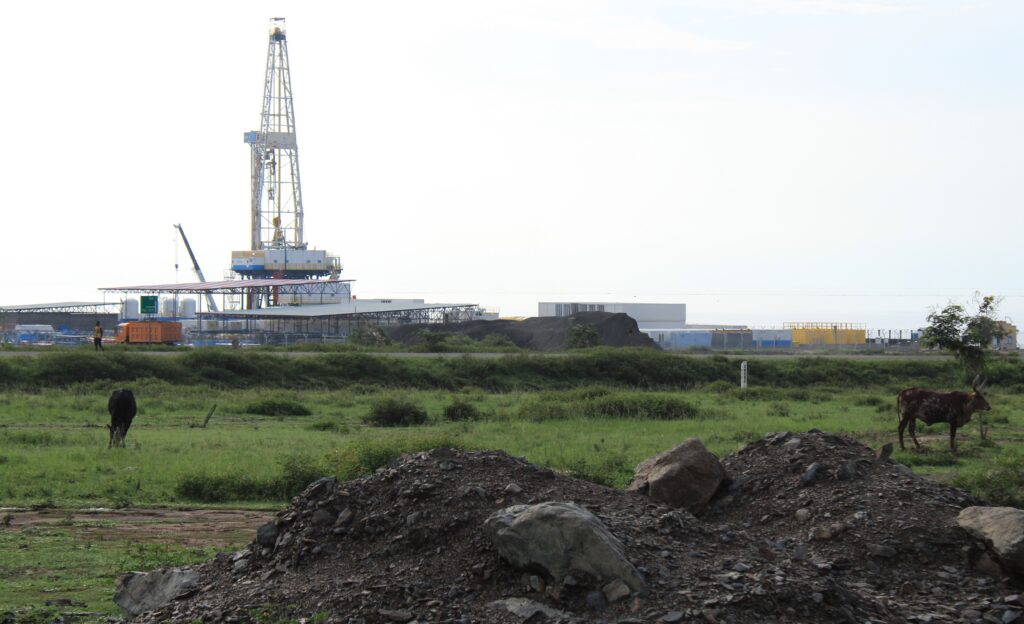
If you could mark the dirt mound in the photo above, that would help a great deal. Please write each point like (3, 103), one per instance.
(405, 544)
(549, 333)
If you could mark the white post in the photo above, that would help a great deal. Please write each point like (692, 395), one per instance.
(743, 374)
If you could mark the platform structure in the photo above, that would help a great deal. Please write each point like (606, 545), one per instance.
(254, 293)
(280, 324)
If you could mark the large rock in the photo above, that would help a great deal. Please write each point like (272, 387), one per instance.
(1002, 528)
(686, 476)
(138, 592)
(561, 539)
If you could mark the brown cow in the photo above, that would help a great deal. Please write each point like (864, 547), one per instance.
(933, 407)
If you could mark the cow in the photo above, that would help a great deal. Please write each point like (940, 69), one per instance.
(122, 410)
(933, 407)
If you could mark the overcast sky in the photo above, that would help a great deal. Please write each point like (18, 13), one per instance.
(760, 160)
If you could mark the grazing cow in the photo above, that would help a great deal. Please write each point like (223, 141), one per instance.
(932, 407)
(122, 410)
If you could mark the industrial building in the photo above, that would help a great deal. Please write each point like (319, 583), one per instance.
(64, 322)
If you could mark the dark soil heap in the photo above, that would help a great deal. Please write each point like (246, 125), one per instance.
(811, 529)
(548, 333)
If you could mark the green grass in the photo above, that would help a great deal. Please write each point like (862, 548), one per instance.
(38, 564)
(591, 415)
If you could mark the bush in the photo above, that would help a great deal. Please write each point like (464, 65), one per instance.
(555, 406)
(277, 407)
(296, 472)
(364, 456)
(583, 337)
(1002, 484)
(327, 424)
(779, 409)
(461, 410)
(395, 412)
(720, 386)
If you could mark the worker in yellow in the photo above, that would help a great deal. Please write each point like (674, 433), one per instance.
(97, 337)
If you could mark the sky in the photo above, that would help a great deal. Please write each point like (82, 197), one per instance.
(762, 161)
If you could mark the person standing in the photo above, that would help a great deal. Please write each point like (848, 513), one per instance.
(97, 337)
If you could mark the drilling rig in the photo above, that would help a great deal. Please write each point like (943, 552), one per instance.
(277, 247)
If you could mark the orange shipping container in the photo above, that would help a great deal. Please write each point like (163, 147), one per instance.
(149, 332)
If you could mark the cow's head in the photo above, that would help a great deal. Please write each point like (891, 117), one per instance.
(978, 402)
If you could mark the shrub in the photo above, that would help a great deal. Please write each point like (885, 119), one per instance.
(362, 457)
(583, 337)
(779, 409)
(369, 336)
(461, 410)
(720, 386)
(296, 472)
(395, 412)
(498, 341)
(277, 407)
(326, 424)
(434, 342)
(553, 406)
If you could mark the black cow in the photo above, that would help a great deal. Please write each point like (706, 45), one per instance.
(122, 410)
(954, 408)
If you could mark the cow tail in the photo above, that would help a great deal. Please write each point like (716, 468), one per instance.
(899, 408)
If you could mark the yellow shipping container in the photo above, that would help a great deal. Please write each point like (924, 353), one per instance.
(810, 334)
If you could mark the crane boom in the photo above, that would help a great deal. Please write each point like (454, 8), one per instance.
(210, 303)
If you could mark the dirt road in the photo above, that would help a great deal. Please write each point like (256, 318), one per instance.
(185, 527)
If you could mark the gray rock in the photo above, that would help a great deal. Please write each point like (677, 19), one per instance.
(266, 535)
(344, 517)
(560, 538)
(396, 615)
(1002, 529)
(847, 470)
(322, 517)
(671, 617)
(803, 515)
(685, 476)
(1010, 616)
(881, 551)
(597, 601)
(615, 591)
(810, 475)
(512, 488)
(526, 609)
(902, 470)
(318, 487)
(138, 592)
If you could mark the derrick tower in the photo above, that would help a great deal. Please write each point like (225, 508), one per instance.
(277, 246)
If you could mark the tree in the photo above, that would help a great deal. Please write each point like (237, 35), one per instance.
(583, 337)
(967, 337)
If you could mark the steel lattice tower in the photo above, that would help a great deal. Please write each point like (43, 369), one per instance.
(276, 192)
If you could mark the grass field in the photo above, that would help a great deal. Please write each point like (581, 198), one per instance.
(591, 415)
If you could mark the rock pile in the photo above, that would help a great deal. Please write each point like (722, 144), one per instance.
(807, 528)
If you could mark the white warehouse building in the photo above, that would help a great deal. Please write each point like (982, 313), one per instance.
(648, 316)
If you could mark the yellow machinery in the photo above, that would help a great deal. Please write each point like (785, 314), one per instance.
(825, 334)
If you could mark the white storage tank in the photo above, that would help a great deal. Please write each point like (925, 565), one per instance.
(187, 308)
(130, 312)
(167, 306)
